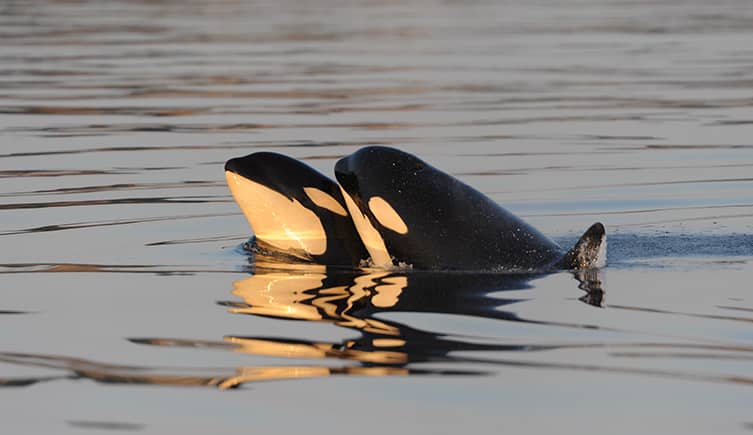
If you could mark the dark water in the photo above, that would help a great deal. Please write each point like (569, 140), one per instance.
(120, 261)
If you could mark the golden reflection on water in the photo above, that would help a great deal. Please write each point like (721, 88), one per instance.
(114, 374)
(353, 300)
(306, 297)
(314, 294)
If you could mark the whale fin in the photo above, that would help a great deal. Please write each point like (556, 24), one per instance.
(589, 252)
(294, 210)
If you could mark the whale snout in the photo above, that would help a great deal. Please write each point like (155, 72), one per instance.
(259, 166)
(233, 165)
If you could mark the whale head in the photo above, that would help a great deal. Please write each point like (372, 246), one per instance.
(293, 209)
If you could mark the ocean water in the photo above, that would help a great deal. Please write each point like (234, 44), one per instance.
(128, 305)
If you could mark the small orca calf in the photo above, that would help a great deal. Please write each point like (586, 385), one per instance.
(390, 208)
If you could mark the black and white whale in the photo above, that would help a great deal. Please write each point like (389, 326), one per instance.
(389, 207)
(294, 211)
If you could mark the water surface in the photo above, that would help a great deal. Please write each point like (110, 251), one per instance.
(127, 304)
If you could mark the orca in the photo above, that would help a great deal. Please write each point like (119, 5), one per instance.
(296, 213)
(389, 208)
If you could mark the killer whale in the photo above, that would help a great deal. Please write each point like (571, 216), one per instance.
(389, 207)
(295, 212)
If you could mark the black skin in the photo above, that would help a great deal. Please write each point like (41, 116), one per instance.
(451, 226)
(289, 176)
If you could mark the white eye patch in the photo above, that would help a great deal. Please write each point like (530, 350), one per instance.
(324, 200)
(386, 215)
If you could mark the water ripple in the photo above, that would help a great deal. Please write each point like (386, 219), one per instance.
(634, 113)
(116, 201)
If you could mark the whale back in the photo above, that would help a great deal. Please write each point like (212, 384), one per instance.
(294, 211)
(407, 211)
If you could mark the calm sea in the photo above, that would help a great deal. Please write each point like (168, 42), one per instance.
(126, 303)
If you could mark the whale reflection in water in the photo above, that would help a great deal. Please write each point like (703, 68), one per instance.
(346, 298)
(362, 301)
(352, 300)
